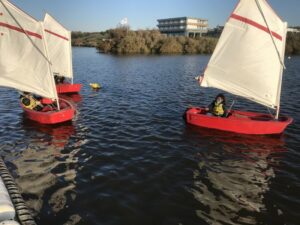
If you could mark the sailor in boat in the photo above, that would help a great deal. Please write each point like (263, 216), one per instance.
(217, 106)
(31, 102)
(59, 79)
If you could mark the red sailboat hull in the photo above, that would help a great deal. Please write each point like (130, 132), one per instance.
(66, 113)
(68, 88)
(238, 122)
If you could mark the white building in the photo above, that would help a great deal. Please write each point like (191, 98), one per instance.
(183, 26)
(293, 30)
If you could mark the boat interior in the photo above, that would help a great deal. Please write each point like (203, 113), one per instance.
(248, 115)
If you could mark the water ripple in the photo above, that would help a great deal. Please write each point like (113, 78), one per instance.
(129, 158)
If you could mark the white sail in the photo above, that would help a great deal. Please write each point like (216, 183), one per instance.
(23, 59)
(246, 62)
(58, 40)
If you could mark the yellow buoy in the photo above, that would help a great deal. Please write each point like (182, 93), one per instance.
(95, 85)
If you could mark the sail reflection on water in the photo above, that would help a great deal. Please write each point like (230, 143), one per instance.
(230, 184)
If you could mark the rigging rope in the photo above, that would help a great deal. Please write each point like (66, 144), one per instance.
(25, 32)
(270, 32)
(270, 113)
(233, 102)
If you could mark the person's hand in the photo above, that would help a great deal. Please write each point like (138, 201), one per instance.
(206, 109)
(199, 79)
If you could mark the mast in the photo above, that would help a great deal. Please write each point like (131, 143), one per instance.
(270, 32)
(280, 75)
(50, 67)
(71, 59)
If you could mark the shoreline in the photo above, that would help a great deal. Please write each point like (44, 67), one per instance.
(151, 42)
(155, 54)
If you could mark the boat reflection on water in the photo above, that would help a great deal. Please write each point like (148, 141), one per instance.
(234, 173)
(46, 172)
(75, 97)
(53, 135)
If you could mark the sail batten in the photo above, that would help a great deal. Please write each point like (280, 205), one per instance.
(58, 41)
(21, 30)
(245, 61)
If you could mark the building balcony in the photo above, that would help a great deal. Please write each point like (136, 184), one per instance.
(171, 24)
(173, 29)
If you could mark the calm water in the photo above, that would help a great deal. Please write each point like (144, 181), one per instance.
(129, 158)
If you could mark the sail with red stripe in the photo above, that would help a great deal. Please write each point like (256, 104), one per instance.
(58, 41)
(24, 64)
(248, 59)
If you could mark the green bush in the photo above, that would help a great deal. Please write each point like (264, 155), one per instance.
(124, 41)
(171, 46)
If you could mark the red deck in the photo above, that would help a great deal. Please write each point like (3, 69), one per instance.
(239, 122)
(52, 117)
(68, 88)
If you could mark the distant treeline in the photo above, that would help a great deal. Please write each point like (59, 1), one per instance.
(124, 41)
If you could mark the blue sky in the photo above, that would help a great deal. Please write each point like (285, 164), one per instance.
(100, 15)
